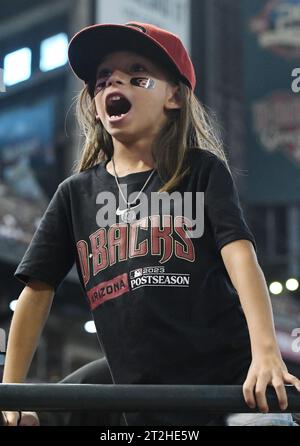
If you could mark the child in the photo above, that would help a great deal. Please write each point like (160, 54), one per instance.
(165, 302)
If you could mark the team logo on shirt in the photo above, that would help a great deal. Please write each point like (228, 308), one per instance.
(144, 238)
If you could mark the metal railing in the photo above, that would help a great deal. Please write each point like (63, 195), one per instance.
(132, 398)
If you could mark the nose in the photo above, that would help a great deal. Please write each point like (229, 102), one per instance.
(117, 77)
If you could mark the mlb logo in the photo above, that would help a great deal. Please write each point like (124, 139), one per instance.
(138, 273)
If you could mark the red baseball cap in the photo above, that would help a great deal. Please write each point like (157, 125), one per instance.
(88, 47)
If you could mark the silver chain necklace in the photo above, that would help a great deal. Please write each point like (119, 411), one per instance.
(128, 215)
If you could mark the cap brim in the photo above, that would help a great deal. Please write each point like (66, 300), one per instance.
(89, 46)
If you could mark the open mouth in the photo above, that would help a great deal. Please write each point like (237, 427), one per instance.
(117, 105)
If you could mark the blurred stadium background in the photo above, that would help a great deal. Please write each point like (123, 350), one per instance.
(245, 53)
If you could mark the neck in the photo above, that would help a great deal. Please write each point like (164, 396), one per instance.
(136, 157)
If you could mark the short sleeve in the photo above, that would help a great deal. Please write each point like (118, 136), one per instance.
(223, 208)
(51, 252)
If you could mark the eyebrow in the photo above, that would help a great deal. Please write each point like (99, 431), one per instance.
(104, 61)
(100, 69)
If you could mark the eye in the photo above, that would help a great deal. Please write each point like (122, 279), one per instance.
(100, 85)
(137, 67)
(102, 77)
(104, 72)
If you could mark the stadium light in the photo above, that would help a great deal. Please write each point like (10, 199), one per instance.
(17, 66)
(90, 327)
(292, 284)
(276, 288)
(13, 305)
(54, 52)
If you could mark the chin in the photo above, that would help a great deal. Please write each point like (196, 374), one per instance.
(123, 137)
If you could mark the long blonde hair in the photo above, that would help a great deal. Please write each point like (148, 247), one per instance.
(190, 126)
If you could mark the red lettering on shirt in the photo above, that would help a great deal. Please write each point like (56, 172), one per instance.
(108, 290)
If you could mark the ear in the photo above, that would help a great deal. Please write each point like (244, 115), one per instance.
(173, 98)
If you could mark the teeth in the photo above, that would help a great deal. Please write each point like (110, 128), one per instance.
(115, 98)
(116, 116)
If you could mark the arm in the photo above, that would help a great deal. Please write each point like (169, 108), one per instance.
(267, 366)
(28, 321)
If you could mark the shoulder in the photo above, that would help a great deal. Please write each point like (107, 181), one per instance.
(202, 158)
(205, 163)
(77, 180)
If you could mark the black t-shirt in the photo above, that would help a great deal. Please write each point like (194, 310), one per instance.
(164, 306)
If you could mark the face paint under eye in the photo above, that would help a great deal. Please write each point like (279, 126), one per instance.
(143, 82)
